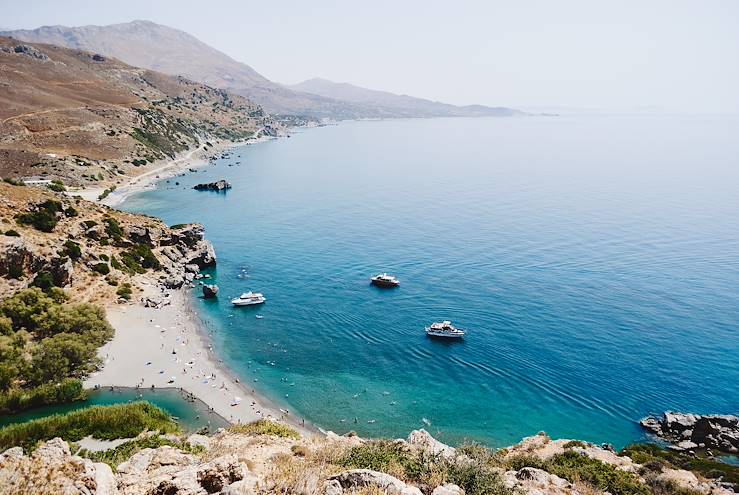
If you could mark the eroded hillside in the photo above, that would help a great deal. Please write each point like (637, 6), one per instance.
(87, 119)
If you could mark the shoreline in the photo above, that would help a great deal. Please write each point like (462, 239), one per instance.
(169, 348)
(173, 339)
(194, 158)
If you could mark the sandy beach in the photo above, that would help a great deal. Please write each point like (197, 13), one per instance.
(194, 158)
(165, 348)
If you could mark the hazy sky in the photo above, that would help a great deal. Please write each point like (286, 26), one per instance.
(673, 55)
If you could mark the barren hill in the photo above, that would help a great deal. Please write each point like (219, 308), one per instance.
(84, 118)
(169, 50)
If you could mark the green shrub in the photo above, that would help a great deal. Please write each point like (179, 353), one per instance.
(44, 217)
(124, 291)
(102, 422)
(14, 182)
(115, 263)
(12, 233)
(574, 466)
(43, 281)
(89, 223)
(101, 268)
(113, 228)
(57, 186)
(652, 455)
(105, 193)
(123, 452)
(385, 456)
(72, 249)
(266, 427)
(70, 211)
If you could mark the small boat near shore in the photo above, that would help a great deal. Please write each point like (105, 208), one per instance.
(384, 280)
(445, 329)
(249, 299)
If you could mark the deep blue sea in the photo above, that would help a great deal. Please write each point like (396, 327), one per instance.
(594, 261)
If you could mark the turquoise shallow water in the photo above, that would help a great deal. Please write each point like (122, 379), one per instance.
(594, 261)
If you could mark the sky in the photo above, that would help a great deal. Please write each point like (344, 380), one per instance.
(660, 55)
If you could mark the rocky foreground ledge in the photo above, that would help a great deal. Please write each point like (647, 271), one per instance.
(693, 431)
(232, 463)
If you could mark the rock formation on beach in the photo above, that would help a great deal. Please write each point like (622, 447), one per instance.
(210, 291)
(219, 185)
(692, 431)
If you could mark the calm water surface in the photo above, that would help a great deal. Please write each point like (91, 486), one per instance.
(594, 261)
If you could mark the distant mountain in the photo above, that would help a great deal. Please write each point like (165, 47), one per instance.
(87, 119)
(403, 105)
(161, 48)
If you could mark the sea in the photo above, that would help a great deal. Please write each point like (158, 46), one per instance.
(592, 259)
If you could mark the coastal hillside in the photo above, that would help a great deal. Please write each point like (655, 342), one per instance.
(268, 457)
(87, 119)
(400, 104)
(169, 50)
(95, 253)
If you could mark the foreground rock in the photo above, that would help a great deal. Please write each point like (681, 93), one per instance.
(243, 464)
(351, 481)
(691, 431)
(539, 482)
(52, 469)
(219, 185)
(544, 448)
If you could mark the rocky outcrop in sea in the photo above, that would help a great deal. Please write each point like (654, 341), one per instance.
(219, 185)
(693, 431)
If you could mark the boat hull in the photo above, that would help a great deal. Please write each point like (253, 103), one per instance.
(385, 284)
(247, 303)
(445, 335)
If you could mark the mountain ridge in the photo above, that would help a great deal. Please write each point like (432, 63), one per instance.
(172, 51)
(431, 108)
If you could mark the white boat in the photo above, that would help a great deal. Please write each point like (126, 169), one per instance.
(384, 280)
(445, 329)
(249, 299)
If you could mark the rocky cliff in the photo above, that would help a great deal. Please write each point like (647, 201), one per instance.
(95, 253)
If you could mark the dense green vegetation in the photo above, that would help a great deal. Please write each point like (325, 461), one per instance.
(46, 346)
(123, 452)
(102, 422)
(656, 458)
